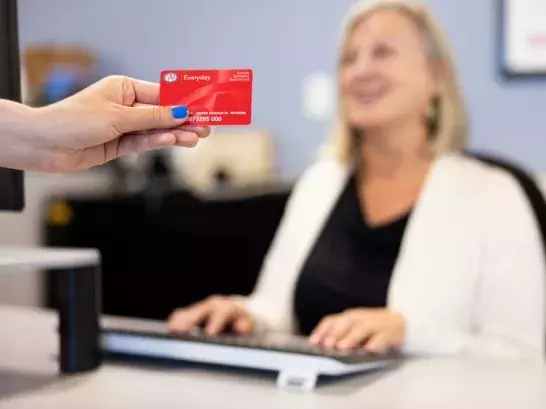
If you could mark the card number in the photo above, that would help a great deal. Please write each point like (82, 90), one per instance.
(205, 119)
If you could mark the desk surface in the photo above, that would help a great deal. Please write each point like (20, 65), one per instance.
(28, 379)
(15, 258)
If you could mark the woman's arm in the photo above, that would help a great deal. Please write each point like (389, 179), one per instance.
(18, 129)
(116, 116)
(271, 301)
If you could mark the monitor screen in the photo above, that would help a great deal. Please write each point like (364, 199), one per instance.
(11, 181)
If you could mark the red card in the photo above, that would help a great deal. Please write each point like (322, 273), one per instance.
(213, 97)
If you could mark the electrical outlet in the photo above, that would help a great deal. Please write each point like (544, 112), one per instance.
(319, 96)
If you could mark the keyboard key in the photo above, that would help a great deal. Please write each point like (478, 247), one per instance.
(276, 342)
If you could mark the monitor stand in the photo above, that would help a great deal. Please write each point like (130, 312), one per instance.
(78, 278)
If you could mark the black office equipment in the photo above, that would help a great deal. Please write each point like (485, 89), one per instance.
(78, 300)
(155, 259)
(11, 181)
(79, 306)
(297, 363)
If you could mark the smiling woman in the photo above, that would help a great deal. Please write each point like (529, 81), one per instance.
(402, 50)
(396, 239)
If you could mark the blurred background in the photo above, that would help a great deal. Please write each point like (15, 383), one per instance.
(178, 225)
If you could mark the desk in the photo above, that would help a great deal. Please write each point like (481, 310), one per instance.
(28, 380)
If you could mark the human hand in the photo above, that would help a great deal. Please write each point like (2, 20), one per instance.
(217, 312)
(376, 329)
(115, 116)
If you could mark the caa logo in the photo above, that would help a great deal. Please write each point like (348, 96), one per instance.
(170, 77)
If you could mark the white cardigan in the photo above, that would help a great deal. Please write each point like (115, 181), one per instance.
(470, 276)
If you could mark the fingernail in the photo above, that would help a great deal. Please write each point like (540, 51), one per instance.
(179, 112)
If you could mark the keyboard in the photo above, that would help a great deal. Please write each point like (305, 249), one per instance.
(297, 362)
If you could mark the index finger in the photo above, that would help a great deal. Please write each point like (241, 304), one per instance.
(145, 92)
(190, 317)
(321, 329)
(219, 319)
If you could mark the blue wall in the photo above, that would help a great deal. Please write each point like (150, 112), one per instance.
(283, 41)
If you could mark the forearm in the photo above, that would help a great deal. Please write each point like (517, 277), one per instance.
(20, 146)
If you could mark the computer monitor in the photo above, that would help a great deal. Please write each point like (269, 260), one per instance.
(11, 181)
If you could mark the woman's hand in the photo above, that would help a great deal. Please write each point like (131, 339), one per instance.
(216, 312)
(375, 329)
(113, 117)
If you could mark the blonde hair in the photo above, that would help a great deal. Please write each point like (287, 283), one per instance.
(449, 132)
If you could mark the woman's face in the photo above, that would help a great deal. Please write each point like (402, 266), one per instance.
(385, 75)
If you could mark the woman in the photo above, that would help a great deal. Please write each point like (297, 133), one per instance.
(396, 239)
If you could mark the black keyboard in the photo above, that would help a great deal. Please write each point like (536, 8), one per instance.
(267, 342)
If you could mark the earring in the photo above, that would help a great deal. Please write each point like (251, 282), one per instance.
(431, 112)
(432, 117)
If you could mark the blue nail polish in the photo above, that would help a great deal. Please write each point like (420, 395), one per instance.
(179, 112)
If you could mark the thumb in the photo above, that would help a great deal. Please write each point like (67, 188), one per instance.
(147, 117)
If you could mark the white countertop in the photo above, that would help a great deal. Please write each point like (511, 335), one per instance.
(29, 379)
(15, 257)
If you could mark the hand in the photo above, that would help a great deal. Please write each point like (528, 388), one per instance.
(217, 312)
(114, 117)
(375, 329)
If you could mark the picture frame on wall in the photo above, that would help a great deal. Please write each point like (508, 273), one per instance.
(522, 26)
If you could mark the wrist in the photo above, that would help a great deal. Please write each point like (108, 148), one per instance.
(21, 138)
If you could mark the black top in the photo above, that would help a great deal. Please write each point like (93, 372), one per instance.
(350, 265)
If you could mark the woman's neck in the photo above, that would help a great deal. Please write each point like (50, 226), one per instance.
(397, 153)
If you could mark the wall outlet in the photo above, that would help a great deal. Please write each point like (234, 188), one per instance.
(319, 96)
